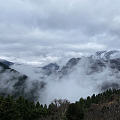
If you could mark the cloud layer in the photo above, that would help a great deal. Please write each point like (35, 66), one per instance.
(47, 30)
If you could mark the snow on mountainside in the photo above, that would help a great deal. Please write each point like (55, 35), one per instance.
(98, 62)
(106, 55)
(79, 77)
(99, 59)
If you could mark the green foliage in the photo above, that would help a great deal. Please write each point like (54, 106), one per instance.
(8, 109)
(77, 110)
(22, 109)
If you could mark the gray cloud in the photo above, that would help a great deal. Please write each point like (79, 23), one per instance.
(41, 28)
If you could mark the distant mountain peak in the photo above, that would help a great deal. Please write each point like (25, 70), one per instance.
(107, 55)
(5, 62)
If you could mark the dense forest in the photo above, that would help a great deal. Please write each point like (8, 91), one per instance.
(104, 106)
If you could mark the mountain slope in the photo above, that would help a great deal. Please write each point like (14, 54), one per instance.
(85, 75)
(104, 106)
(16, 84)
(8, 63)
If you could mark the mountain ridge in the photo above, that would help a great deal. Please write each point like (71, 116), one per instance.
(94, 73)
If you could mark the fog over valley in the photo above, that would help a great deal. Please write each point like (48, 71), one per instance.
(78, 77)
(59, 49)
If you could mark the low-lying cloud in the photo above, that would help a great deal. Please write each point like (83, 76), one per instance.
(82, 81)
(85, 78)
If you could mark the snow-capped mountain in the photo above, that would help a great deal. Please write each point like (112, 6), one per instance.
(107, 55)
(98, 62)
(80, 76)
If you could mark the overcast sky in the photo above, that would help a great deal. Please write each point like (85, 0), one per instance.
(46, 30)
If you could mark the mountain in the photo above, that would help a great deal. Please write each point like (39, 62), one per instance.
(104, 64)
(92, 74)
(107, 55)
(96, 63)
(99, 60)
(50, 68)
(103, 106)
(8, 63)
(79, 77)
(16, 84)
(11, 82)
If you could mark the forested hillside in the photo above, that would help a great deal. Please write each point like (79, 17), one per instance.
(104, 106)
